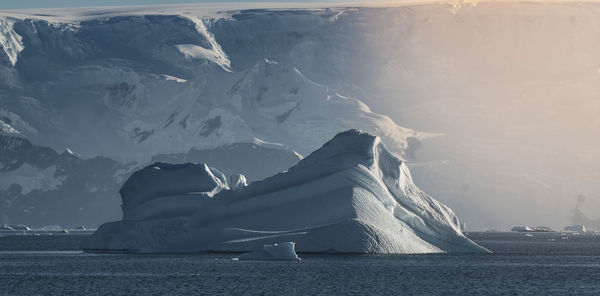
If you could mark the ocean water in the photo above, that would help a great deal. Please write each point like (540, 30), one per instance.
(542, 264)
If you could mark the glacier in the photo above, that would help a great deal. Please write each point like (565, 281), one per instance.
(350, 196)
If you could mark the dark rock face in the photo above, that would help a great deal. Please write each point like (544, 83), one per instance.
(82, 191)
(86, 191)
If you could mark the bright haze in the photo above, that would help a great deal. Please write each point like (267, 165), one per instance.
(515, 88)
(505, 95)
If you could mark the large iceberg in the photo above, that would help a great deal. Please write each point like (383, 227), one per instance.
(350, 196)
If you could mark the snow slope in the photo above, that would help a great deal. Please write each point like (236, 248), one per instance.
(10, 42)
(351, 196)
(131, 86)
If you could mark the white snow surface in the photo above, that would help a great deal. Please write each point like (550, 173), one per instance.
(10, 41)
(214, 53)
(350, 196)
(281, 251)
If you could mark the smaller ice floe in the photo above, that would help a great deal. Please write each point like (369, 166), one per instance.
(575, 228)
(6, 227)
(19, 227)
(543, 229)
(173, 78)
(281, 251)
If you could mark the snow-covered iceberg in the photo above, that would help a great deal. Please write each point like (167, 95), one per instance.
(351, 196)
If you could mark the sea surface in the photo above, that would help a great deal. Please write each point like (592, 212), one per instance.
(536, 264)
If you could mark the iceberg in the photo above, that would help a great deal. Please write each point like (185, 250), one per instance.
(522, 229)
(350, 196)
(282, 251)
(19, 227)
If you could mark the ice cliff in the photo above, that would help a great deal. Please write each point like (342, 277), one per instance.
(350, 196)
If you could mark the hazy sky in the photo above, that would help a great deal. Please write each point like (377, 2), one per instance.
(18, 4)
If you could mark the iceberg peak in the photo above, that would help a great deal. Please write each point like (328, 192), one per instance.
(346, 148)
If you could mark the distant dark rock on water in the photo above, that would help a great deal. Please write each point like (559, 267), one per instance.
(531, 229)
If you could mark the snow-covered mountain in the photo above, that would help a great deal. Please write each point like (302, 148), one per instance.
(350, 196)
(141, 87)
(130, 87)
(510, 88)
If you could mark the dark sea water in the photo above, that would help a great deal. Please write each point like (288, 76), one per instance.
(542, 264)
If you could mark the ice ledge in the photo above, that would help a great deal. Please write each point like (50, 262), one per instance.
(281, 251)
